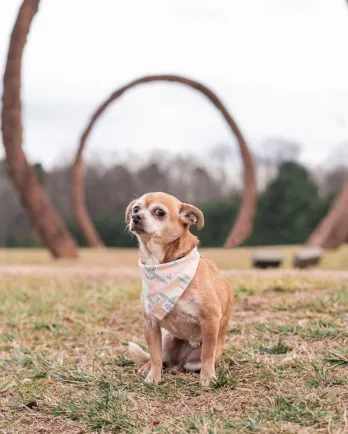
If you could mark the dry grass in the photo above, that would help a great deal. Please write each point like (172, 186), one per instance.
(225, 258)
(64, 366)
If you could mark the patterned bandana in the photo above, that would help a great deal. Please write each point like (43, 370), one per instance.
(164, 284)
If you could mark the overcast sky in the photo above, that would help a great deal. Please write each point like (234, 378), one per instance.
(280, 66)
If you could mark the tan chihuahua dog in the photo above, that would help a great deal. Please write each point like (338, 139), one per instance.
(195, 321)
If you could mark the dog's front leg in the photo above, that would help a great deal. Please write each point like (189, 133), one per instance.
(210, 331)
(153, 337)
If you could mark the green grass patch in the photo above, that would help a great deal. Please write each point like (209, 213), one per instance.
(64, 364)
(279, 348)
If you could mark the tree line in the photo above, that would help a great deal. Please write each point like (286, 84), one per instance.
(291, 202)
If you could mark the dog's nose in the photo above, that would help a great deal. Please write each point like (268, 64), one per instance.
(136, 218)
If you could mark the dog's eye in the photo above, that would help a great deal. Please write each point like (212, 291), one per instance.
(136, 209)
(159, 212)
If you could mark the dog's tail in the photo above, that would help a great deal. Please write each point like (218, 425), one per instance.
(138, 355)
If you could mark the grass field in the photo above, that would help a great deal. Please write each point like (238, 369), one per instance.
(64, 366)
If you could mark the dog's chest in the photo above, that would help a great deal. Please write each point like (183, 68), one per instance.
(183, 320)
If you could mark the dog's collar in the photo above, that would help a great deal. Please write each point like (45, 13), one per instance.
(163, 284)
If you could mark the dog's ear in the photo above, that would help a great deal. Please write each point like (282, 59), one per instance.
(191, 215)
(129, 211)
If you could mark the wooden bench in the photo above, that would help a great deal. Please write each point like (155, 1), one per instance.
(307, 257)
(267, 259)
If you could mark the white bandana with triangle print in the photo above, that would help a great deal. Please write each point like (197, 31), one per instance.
(164, 284)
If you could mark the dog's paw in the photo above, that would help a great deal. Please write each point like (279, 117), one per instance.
(194, 344)
(145, 369)
(207, 381)
(177, 369)
(151, 380)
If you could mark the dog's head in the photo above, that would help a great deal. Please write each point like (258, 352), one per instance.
(161, 216)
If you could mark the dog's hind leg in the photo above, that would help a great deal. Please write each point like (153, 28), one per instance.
(178, 355)
(192, 360)
(145, 369)
(171, 350)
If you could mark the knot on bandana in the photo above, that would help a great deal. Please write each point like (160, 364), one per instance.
(164, 284)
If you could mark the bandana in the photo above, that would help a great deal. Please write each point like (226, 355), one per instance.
(164, 284)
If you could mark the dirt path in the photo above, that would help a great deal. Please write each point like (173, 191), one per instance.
(124, 274)
(318, 274)
(132, 274)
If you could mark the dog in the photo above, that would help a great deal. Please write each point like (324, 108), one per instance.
(185, 331)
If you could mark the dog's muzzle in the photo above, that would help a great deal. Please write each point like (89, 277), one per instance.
(137, 224)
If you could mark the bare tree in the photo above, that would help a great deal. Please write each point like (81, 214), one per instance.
(223, 154)
(333, 229)
(45, 219)
(14, 220)
(243, 225)
(273, 152)
(279, 150)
